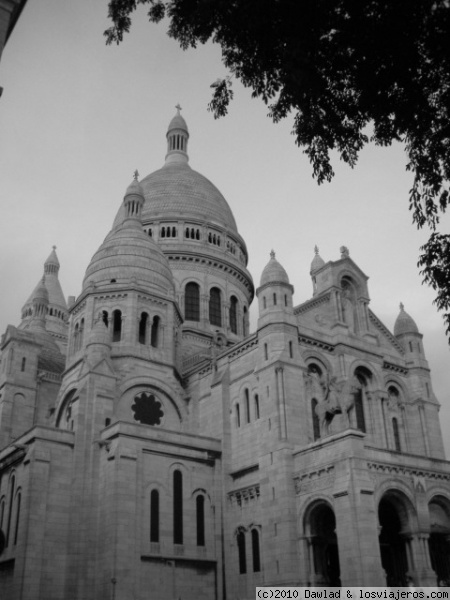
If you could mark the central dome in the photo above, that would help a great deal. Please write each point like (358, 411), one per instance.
(176, 191)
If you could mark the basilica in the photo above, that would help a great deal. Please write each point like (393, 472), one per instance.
(153, 447)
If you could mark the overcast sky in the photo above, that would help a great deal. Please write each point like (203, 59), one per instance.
(77, 118)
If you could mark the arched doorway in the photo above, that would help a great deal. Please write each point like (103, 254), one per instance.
(392, 518)
(439, 540)
(323, 539)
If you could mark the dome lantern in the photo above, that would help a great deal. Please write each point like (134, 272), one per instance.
(177, 139)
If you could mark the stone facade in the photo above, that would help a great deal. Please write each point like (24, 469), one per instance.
(151, 447)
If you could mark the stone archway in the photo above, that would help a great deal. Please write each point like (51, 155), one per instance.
(439, 540)
(394, 516)
(324, 552)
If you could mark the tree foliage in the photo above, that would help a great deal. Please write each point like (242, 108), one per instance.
(337, 66)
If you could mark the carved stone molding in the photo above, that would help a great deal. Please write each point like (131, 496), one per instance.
(244, 496)
(314, 480)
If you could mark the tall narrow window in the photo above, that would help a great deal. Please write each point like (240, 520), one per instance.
(396, 435)
(241, 552)
(105, 318)
(256, 406)
(233, 314)
(12, 485)
(24, 362)
(244, 322)
(363, 376)
(215, 309)
(16, 528)
(200, 505)
(143, 323)
(154, 516)
(192, 302)
(247, 405)
(155, 332)
(315, 419)
(238, 416)
(255, 551)
(2, 512)
(266, 352)
(291, 352)
(274, 299)
(117, 326)
(177, 507)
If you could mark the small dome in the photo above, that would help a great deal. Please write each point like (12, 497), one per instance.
(273, 272)
(177, 122)
(128, 253)
(404, 323)
(317, 262)
(135, 187)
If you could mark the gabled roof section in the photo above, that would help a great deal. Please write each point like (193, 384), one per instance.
(385, 332)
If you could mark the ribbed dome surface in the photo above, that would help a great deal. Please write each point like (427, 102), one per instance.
(126, 253)
(273, 272)
(178, 192)
(404, 323)
(177, 123)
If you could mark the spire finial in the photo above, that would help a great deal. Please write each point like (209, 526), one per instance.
(316, 249)
(54, 247)
(345, 252)
(272, 254)
(402, 306)
(136, 175)
(178, 107)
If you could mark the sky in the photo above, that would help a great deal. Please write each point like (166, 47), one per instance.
(78, 117)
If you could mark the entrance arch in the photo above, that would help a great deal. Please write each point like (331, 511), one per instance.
(439, 540)
(324, 555)
(394, 516)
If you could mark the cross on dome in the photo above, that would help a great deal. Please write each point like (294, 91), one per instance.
(178, 107)
(136, 175)
(272, 254)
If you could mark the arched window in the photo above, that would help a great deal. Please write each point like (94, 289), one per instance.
(215, 308)
(16, 528)
(154, 516)
(396, 435)
(105, 318)
(233, 314)
(274, 299)
(247, 405)
(117, 326)
(177, 507)
(155, 332)
(238, 416)
(363, 376)
(12, 485)
(315, 419)
(192, 302)
(291, 352)
(24, 362)
(255, 551)
(143, 323)
(241, 552)
(76, 338)
(200, 506)
(256, 406)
